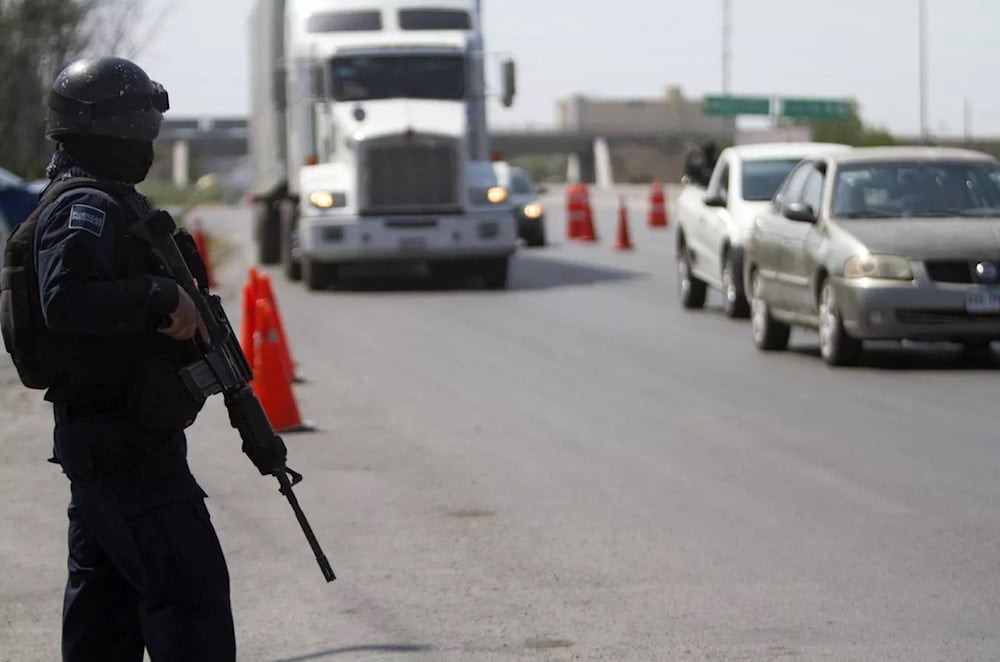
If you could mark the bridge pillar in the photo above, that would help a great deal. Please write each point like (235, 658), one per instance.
(580, 167)
(181, 163)
(573, 168)
(603, 170)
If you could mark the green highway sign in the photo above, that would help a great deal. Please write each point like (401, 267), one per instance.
(735, 105)
(816, 109)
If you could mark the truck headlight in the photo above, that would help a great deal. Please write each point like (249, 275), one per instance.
(533, 211)
(496, 194)
(327, 199)
(889, 267)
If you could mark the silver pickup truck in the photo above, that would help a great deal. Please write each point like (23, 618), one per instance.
(714, 221)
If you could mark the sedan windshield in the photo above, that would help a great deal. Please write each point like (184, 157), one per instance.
(761, 179)
(917, 188)
(361, 78)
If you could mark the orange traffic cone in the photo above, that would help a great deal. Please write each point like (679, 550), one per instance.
(657, 217)
(265, 292)
(623, 241)
(269, 382)
(588, 232)
(575, 211)
(202, 244)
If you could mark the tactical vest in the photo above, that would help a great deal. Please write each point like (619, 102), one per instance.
(41, 356)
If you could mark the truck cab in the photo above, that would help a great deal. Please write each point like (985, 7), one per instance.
(387, 146)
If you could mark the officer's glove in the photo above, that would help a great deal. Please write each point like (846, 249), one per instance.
(269, 457)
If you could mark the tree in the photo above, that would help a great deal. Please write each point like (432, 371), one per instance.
(37, 39)
(850, 131)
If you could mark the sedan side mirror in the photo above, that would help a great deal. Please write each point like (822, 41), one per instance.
(799, 211)
(714, 201)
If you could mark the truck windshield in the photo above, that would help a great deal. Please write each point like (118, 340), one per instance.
(362, 78)
(761, 179)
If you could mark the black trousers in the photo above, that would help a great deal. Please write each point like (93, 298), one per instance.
(156, 580)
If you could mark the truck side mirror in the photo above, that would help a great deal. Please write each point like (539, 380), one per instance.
(714, 200)
(278, 80)
(509, 84)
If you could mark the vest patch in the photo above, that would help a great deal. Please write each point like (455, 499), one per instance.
(85, 217)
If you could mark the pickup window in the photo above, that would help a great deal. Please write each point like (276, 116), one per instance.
(761, 179)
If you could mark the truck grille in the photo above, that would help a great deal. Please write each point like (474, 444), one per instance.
(410, 178)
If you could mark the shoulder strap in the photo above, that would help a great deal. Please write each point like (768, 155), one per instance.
(55, 189)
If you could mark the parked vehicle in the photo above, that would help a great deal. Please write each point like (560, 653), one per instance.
(526, 206)
(18, 198)
(369, 140)
(893, 243)
(713, 222)
(5, 230)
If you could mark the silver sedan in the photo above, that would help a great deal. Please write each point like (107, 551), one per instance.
(897, 243)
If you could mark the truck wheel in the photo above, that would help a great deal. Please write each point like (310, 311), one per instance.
(736, 304)
(690, 289)
(494, 273)
(290, 262)
(768, 333)
(267, 226)
(318, 275)
(835, 346)
(536, 238)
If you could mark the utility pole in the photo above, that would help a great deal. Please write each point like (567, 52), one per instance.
(924, 131)
(727, 29)
(967, 121)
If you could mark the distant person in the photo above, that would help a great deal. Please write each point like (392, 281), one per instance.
(700, 163)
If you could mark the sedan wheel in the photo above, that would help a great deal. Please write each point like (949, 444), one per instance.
(690, 289)
(768, 333)
(836, 347)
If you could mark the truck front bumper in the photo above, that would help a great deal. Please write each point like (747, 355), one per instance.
(490, 233)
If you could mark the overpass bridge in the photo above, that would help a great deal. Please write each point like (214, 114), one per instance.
(592, 156)
(204, 140)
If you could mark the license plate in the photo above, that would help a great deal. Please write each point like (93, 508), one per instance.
(987, 301)
(412, 244)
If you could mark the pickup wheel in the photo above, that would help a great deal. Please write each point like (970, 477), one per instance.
(690, 289)
(768, 333)
(736, 304)
(835, 346)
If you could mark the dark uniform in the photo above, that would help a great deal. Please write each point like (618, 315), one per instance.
(145, 566)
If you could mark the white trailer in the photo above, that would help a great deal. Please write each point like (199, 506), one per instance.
(369, 140)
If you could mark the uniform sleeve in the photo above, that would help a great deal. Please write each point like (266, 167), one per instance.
(77, 240)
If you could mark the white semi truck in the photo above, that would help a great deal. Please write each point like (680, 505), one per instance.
(368, 138)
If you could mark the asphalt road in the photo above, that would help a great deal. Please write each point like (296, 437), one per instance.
(572, 469)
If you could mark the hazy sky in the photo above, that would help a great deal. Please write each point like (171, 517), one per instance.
(866, 49)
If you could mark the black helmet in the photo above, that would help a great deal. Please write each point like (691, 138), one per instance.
(105, 96)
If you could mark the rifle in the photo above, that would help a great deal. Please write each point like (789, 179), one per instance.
(223, 368)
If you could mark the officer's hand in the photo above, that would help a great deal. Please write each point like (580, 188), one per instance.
(185, 321)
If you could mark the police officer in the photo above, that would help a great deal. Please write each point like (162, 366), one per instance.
(145, 566)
